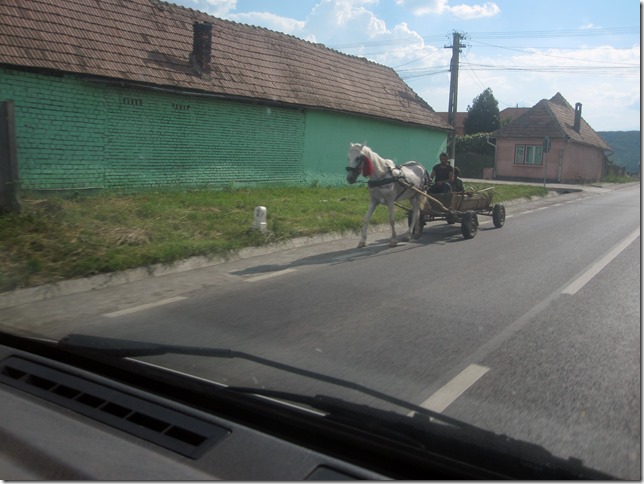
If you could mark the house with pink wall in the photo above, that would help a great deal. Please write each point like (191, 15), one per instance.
(577, 153)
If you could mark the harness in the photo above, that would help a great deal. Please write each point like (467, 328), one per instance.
(400, 179)
(388, 178)
(384, 181)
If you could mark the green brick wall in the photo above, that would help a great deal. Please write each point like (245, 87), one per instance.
(328, 136)
(75, 133)
(60, 130)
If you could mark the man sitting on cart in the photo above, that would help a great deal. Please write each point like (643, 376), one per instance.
(443, 176)
(457, 184)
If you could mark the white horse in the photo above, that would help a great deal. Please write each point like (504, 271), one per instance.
(387, 183)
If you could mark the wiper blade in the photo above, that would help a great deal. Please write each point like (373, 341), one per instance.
(119, 348)
(344, 411)
(497, 453)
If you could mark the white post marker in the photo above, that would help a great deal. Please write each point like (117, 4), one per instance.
(259, 222)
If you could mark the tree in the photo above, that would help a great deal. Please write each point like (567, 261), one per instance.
(483, 115)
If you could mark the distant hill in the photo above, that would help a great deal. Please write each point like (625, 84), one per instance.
(627, 148)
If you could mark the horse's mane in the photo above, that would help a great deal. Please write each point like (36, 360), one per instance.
(381, 164)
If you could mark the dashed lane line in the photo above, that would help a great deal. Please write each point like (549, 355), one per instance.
(446, 395)
(143, 307)
(593, 270)
(269, 275)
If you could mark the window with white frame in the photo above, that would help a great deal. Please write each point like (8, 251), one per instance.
(528, 155)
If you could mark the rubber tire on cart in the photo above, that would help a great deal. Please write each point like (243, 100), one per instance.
(469, 224)
(498, 215)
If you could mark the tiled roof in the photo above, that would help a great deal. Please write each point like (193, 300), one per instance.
(512, 113)
(554, 118)
(150, 41)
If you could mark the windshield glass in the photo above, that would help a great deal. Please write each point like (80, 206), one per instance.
(423, 207)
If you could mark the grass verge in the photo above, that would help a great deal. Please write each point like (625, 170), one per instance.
(58, 238)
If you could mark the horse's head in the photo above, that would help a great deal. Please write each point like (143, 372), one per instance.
(359, 163)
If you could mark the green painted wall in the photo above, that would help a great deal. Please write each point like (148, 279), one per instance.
(60, 130)
(74, 133)
(328, 136)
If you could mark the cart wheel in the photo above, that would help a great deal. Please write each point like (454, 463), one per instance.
(469, 224)
(498, 215)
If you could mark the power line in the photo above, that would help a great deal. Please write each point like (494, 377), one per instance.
(554, 56)
(473, 72)
(614, 71)
(526, 34)
(558, 33)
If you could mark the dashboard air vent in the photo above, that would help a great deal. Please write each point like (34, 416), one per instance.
(176, 431)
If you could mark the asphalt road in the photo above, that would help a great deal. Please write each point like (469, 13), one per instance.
(531, 330)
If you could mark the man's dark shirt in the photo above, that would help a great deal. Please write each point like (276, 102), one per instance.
(442, 172)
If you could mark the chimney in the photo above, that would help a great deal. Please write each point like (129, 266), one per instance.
(577, 124)
(201, 47)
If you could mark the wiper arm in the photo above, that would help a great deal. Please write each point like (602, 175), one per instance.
(120, 348)
(344, 411)
(497, 453)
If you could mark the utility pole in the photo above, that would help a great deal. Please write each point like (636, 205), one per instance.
(453, 89)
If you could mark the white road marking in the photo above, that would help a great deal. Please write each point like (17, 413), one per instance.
(446, 395)
(269, 275)
(581, 281)
(143, 307)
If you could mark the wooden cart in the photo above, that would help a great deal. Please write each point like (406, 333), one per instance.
(459, 207)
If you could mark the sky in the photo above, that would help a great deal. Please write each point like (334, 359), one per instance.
(523, 50)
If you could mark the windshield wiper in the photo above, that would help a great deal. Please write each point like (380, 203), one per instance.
(495, 452)
(424, 430)
(119, 348)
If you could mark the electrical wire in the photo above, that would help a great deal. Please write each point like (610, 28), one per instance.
(525, 34)
(555, 56)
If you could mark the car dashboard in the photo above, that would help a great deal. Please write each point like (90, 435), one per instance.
(62, 422)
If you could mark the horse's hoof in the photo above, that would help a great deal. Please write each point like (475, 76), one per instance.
(405, 239)
(393, 243)
(361, 245)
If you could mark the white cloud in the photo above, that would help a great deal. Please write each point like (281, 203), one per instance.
(343, 22)
(419, 8)
(219, 8)
(439, 7)
(468, 12)
(269, 20)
